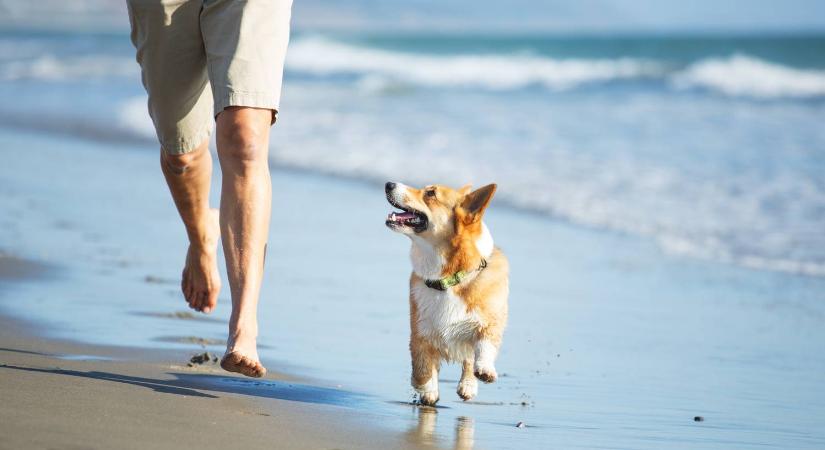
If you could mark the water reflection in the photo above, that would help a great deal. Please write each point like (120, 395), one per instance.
(464, 433)
(425, 432)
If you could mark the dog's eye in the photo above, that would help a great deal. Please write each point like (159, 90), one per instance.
(430, 193)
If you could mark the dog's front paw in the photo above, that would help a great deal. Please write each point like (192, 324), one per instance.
(429, 398)
(485, 373)
(427, 392)
(467, 389)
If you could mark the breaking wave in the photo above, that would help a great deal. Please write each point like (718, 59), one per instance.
(737, 76)
(742, 190)
(499, 72)
(741, 75)
(52, 68)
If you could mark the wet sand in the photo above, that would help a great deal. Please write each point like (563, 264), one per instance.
(63, 394)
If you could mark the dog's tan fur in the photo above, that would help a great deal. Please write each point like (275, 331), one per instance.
(465, 323)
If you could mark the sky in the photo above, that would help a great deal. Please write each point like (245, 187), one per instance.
(472, 15)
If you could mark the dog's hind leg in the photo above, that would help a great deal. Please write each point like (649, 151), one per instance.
(467, 386)
(425, 363)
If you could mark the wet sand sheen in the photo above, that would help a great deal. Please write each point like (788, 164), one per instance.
(58, 394)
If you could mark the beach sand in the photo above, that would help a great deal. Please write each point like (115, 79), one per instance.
(610, 344)
(63, 394)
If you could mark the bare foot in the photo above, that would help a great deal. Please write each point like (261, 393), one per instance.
(200, 280)
(242, 357)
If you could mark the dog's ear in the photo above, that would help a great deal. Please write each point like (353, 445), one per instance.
(465, 189)
(476, 202)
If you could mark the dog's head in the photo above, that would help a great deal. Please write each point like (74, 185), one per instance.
(437, 213)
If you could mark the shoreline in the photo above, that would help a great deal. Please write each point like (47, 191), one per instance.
(129, 139)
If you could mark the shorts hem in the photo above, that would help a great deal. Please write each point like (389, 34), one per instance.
(262, 100)
(182, 146)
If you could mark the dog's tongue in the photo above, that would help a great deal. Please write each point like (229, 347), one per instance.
(402, 216)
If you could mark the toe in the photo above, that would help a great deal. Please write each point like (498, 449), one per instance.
(429, 399)
(199, 298)
(210, 300)
(191, 300)
(260, 370)
(252, 368)
(187, 295)
(485, 375)
(186, 288)
(247, 366)
(467, 391)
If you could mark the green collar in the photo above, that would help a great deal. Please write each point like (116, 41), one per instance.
(442, 284)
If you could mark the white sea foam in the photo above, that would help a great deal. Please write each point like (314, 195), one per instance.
(133, 116)
(500, 72)
(381, 69)
(596, 178)
(760, 214)
(768, 223)
(738, 75)
(742, 75)
(747, 218)
(52, 68)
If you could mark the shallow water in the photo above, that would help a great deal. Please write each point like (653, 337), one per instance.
(611, 343)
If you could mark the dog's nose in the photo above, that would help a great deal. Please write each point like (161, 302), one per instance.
(389, 186)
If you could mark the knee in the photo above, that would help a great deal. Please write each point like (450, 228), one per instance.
(180, 163)
(242, 142)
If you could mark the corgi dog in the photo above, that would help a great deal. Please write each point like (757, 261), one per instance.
(458, 287)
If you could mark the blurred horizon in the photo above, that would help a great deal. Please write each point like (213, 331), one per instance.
(464, 16)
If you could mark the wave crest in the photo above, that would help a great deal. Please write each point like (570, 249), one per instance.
(741, 75)
(51, 68)
(736, 76)
(498, 72)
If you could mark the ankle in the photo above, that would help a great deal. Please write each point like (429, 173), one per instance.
(203, 231)
(204, 242)
(203, 246)
(243, 331)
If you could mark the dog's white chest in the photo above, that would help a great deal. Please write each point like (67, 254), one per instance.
(443, 318)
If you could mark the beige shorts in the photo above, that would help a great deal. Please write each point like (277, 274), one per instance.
(198, 57)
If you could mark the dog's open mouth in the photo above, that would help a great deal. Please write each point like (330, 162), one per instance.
(408, 217)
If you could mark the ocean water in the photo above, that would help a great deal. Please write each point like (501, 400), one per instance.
(712, 147)
(660, 199)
